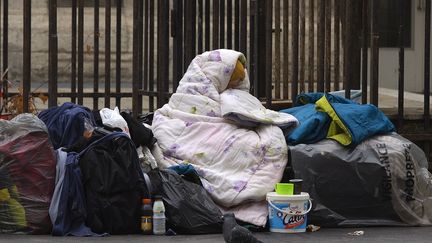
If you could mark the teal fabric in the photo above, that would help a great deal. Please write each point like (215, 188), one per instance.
(363, 121)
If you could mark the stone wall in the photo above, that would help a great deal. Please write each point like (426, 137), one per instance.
(39, 42)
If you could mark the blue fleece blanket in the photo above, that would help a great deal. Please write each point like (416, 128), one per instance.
(329, 116)
(66, 123)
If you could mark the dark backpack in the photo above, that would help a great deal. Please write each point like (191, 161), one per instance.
(113, 185)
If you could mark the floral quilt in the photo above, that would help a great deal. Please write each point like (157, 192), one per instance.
(236, 145)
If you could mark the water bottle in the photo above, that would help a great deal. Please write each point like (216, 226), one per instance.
(158, 216)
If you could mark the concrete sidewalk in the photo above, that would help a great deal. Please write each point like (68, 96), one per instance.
(371, 235)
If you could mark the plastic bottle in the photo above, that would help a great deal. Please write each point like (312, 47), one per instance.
(158, 216)
(146, 216)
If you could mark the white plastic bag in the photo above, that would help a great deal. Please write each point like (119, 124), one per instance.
(114, 119)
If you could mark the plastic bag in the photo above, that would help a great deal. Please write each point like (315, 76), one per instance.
(382, 181)
(189, 209)
(114, 119)
(27, 174)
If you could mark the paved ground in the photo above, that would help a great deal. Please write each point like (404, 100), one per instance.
(371, 235)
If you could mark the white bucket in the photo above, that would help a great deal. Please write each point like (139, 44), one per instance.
(288, 213)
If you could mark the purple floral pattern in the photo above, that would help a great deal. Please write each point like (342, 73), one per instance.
(212, 113)
(172, 150)
(215, 56)
(229, 143)
(240, 185)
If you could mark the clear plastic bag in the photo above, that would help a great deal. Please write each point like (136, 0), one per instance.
(27, 174)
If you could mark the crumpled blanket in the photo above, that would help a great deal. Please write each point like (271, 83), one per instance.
(329, 116)
(235, 144)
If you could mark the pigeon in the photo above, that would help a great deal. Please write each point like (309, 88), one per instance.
(234, 233)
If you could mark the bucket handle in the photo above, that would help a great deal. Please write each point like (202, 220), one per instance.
(282, 211)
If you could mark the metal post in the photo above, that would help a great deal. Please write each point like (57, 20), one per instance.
(427, 66)
(96, 55)
(365, 51)
(374, 57)
(5, 46)
(135, 58)
(401, 67)
(108, 52)
(295, 49)
(26, 82)
(53, 53)
(80, 51)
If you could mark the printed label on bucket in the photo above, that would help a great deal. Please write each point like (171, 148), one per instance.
(295, 221)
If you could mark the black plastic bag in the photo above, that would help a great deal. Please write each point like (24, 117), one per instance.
(382, 181)
(189, 209)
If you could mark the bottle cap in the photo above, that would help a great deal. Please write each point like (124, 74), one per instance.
(146, 201)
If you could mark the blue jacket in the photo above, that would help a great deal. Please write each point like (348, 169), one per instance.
(329, 116)
(66, 123)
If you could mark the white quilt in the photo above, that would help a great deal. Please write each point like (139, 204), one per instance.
(235, 143)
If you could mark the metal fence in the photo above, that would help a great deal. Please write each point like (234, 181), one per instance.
(292, 46)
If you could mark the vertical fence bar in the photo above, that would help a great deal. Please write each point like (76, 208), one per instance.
(5, 46)
(74, 50)
(337, 44)
(146, 44)
(118, 52)
(327, 70)
(349, 47)
(135, 58)
(277, 78)
(321, 45)
(229, 16)
(190, 30)
(222, 24)
(427, 65)
(96, 55)
(401, 66)
(268, 47)
(237, 25)
(108, 52)
(302, 45)
(252, 50)
(374, 70)
(163, 51)
(140, 53)
(177, 29)
(295, 51)
(207, 25)
(285, 43)
(26, 82)
(243, 26)
(216, 24)
(365, 51)
(53, 54)
(200, 26)
(261, 49)
(80, 51)
(311, 43)
(374, 57)
(151, 34)
(343, 38)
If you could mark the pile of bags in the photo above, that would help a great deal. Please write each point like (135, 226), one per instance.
(356, 169)
(91, 182)
(213, 150)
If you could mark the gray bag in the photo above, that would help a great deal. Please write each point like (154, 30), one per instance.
(382, 181)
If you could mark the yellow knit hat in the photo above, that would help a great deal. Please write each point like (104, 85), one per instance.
(237, 75)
